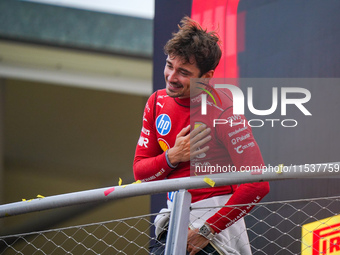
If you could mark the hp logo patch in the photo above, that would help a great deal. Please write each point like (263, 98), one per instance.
(163, 124)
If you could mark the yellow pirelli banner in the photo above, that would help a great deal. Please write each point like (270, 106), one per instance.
(321, 237)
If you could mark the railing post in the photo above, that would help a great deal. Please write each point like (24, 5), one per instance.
(176, 242)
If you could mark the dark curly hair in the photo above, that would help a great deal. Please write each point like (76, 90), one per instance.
(192, 41)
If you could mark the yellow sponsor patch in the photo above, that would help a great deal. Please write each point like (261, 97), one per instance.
(163, 144)
(197, 124)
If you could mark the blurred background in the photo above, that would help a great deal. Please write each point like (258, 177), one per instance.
(74, 81)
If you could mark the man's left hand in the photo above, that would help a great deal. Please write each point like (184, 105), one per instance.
(196, 242)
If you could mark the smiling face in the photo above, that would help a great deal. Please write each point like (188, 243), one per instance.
(178, 73)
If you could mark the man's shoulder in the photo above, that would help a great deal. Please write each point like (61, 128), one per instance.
(159, 98)
(226, 97)
(219, 102)
(160, 95)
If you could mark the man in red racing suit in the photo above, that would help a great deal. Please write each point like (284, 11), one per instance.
(169, 125)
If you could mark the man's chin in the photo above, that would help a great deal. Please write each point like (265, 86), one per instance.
(172, 93)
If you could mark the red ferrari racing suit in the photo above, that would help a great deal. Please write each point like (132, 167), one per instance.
(232, 146)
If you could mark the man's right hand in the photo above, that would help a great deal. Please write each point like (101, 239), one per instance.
(189, 144)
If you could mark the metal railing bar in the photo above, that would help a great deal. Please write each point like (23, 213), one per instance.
(154, 187)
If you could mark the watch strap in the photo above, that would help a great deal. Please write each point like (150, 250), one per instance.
(205, 231)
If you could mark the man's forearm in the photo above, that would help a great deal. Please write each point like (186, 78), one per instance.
(247, 193)
(151, 168)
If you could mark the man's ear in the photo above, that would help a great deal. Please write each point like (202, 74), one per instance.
(208, 74)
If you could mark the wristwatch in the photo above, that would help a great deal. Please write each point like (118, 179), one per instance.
(206, 232)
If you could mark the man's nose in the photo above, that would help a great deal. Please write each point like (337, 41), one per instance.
(172, 77)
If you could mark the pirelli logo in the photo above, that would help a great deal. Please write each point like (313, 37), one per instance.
(321, 237)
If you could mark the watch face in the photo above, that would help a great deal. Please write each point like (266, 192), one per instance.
(204, 230)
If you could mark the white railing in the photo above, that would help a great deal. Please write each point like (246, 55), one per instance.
(273, 228)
